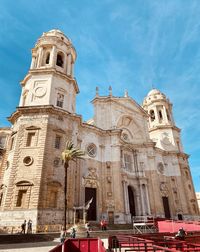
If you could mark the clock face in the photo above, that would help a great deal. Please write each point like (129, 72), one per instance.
(39, 91)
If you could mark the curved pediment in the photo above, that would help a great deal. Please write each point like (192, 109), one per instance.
(131, 131)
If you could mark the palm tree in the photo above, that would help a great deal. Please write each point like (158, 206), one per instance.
(70, 153)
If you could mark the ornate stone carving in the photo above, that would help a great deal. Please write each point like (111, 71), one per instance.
(91, 179)
(165, 138)
(160, 168)
(164, 189)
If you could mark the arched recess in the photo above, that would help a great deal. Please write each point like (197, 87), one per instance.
(52, 195)
(46, 56)
(60, 59)
(23, 193)
(132, 200)
(91, 193)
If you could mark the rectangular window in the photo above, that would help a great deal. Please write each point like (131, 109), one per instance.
(53, 199)
(21, 197)
(30, 139)
(60, 100)
(127, 162)
(57, 142)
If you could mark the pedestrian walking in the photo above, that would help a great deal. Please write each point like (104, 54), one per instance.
(23, 227)
(73, 233)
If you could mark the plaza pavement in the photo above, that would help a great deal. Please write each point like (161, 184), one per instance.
(35, 246)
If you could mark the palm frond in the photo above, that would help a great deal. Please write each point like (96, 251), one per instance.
(71, 153)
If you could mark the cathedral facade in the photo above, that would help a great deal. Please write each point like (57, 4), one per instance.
(134, 162)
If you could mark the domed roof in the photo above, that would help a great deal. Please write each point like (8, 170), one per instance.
(57, 33)
(154, 91)
(153, 95)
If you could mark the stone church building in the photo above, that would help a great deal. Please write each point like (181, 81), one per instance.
(134, 162)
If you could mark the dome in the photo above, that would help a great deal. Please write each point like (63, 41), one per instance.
(153, 95)
(154, 92)
(53, 35)
(57, 33)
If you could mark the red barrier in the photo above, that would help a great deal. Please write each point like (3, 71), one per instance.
(174, 226)
(136, 243)
(83, 245)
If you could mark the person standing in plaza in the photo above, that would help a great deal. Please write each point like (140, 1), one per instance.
(62, 235)
(29, 227)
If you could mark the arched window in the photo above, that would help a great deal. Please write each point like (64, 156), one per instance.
(59, 60)
(152, 115)
(160, 115)
(168, 117)
(47, 58)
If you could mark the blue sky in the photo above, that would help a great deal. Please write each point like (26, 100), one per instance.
(128, 44)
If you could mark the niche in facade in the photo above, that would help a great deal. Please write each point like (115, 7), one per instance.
(59, 60)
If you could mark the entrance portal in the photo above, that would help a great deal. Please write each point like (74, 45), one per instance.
(166, 207)
(91, 212)
(131, 201)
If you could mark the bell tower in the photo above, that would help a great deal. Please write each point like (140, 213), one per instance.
(50, 80)
(161, 123)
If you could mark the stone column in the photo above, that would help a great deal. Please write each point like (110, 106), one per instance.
(40, 55)
(147, 200)
(156, 114)
(126, 205)
(142, 200)
(69, 66)
(53, 56)
(65, 63)
(165, 115)
(33, 62)
(138, 203)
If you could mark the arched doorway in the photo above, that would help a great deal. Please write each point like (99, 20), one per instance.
(131, 201)
(90, 193)
(166, 207)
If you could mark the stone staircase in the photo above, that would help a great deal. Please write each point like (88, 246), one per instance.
(97, 232)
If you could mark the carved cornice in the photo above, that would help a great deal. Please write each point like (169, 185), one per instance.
(164, 127)
(53, 71)
(51, 110)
